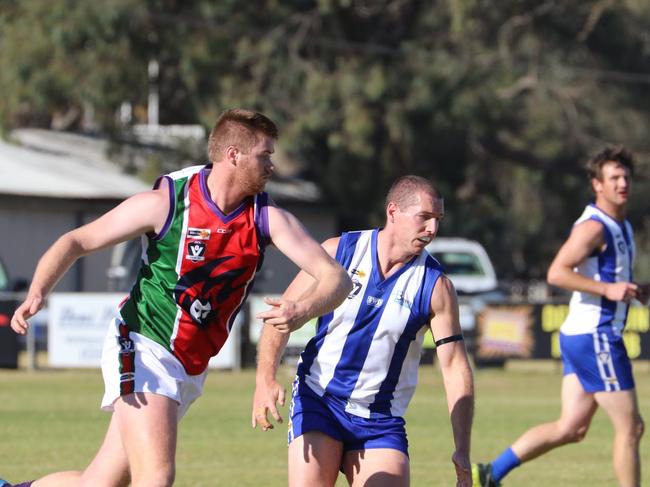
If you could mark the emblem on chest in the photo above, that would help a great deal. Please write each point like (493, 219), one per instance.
(355, 274)
(195, 251)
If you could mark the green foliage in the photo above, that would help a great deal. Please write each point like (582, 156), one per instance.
(498, 105)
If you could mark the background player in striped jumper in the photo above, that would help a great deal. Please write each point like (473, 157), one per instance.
(596, 264)
(358, 373)
(204, 232)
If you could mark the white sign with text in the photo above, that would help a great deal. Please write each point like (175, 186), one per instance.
(77, 326)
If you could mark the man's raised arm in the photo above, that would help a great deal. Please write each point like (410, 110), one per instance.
(332, 283)
(274, 338)
(139, 214)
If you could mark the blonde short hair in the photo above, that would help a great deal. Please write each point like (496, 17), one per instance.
(404, 191)
(241, 128)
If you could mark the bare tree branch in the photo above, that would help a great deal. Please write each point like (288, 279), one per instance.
(593, 18)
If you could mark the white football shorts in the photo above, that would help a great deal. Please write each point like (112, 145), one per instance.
(134, 363)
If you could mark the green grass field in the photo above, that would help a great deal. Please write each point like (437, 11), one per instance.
(50, 421)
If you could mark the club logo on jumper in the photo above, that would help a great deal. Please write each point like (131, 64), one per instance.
(621, 245)
(402, 300)
(126, 345)
(198, 233)
(356, 288)
(603, 357)
(374, 302)
(195, 251)
(202, 291)
(356, 284)
(200, 310)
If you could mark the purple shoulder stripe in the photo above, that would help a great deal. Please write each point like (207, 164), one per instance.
(172, 206)
(262, 218)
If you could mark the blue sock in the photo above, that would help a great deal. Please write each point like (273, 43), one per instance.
(505, 462)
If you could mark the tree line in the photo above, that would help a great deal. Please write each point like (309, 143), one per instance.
(499, 103)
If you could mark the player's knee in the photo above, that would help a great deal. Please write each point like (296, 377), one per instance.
(640, 428)
(581, 433)
(636, 432)
(160, 477)
(633, 432)
(165, 477)
(573, 434)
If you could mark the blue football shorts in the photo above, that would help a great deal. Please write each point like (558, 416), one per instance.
(310, 412)
(599, 360)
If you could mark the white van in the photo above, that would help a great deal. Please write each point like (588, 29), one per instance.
(470, 269)
(466, 263)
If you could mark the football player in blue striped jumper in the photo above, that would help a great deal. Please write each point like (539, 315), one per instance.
(596, 264)
(358, 373)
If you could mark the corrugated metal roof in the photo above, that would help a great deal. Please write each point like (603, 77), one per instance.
(66, 165)
(66, 169)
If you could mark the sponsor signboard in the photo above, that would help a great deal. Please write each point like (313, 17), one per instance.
(78, 323)
(533, 331)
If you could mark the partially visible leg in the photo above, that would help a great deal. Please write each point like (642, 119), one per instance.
(58, 479)
(109, 468)
(623, 410)
(147, 425)
(578, 408)
(377, 467)
(314, 460)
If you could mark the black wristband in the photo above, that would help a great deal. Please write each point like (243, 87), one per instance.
(453, 338)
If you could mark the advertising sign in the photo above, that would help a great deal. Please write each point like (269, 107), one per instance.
(505, 332)
(551, 317)
(78, 323)
(533, 331)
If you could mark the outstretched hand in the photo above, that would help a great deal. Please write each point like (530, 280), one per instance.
(26, 310)
(265, 400)
(463, 470)
(285, 316)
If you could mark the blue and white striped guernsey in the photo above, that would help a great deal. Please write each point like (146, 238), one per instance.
(367, 351)
(587, 311)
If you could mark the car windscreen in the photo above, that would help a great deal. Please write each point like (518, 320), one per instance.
(459, 263)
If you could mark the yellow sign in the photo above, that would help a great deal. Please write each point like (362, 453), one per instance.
(505, 332)
(638, 321)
